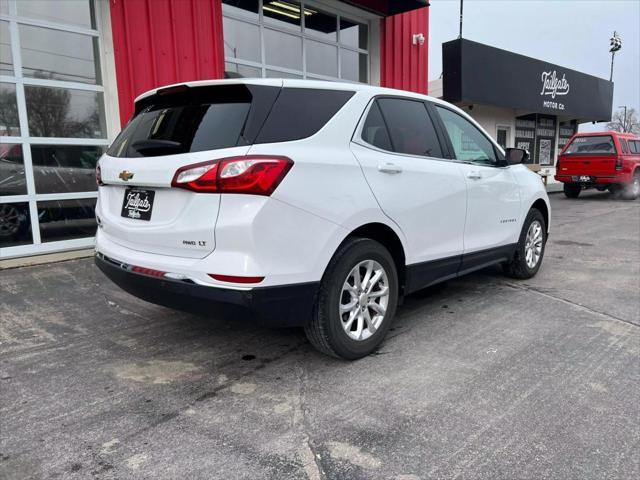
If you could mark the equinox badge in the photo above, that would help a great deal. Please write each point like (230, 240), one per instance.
(125, 175)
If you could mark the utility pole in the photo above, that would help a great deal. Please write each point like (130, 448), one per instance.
(461, 8)
(616, 44)
(624, 120)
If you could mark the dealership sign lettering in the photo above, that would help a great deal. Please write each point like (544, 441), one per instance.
(552, 86)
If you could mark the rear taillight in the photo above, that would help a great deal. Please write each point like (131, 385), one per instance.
(253, 174)
(98, 176)
(618, 163)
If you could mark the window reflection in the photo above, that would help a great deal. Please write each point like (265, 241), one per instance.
(353, 66)
(353, 34)
(67, 219)
(241, 40)
(61, 112)
(243, 8)
(72, 12)
(15, 224)
(283, 13)
(278, 74)
(12, 181)
(322, 58)
(9, 125)
(6, 58)
(64, 168)
(54, 54)
(321, 25)
(282, 50)
(235, 70)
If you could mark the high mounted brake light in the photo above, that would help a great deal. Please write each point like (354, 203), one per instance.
(172, 90)
(252, 174)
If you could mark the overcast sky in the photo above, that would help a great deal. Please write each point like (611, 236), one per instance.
(571, 33)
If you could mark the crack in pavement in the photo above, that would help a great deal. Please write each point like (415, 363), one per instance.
(312, 466)
(529, 288)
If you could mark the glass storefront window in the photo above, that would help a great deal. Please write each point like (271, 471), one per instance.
(71, 12)
(9, 124)
(241, 40)
(235, 70)
(15, 224)
(241, 8)
(282, 13)
(54, 103)
(64, 112)
(59, 55)
(6, 58)
(354, 34)
(321, 25)
(12, 179)
(67, 219)
(278, 74)
(65, 168)
(322, 58)
(353, 66)
(282, 49)
(273, 39)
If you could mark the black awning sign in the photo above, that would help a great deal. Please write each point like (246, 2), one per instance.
(477, 73)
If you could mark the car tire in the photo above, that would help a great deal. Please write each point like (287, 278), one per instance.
(572, 190)
(14, 221)
(631, 191)
(335, 326)
(530, 246)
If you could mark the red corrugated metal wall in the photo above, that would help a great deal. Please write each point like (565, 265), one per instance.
(159, 42)
(402, 64)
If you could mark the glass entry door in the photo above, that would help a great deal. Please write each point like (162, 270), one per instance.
(52, 124)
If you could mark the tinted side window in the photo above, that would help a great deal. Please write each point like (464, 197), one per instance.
(410, 127)
(374, 131)
(634, 146)
(300, 112)
(469, 143)
(623, 144)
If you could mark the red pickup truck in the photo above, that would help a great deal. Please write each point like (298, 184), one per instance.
(601, 160)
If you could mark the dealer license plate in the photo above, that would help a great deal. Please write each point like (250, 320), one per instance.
(582, 178)
(137, 203)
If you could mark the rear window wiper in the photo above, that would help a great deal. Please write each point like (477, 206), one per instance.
(154, 145)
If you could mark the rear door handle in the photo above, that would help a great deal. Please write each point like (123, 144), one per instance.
(474, 175)
(390, 168)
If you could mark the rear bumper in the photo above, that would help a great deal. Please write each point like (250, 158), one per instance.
(277, 306)
(596, 180)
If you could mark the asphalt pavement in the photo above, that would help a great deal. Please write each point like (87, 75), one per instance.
(480, 378)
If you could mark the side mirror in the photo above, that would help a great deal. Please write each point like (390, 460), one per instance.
(514, 156)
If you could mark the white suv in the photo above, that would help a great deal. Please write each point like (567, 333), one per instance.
(311, 204)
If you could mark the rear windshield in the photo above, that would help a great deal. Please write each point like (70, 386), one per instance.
(195, 119)
(592, 144)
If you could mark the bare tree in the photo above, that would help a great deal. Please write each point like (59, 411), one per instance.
(625, 120)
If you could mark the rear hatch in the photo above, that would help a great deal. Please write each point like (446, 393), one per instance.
(172, 128)
(589, 155)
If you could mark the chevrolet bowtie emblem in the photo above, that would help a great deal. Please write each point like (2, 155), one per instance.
(125, 175)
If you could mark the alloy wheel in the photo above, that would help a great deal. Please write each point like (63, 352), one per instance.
(364, 300)
(9, 220)
(533, 244)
